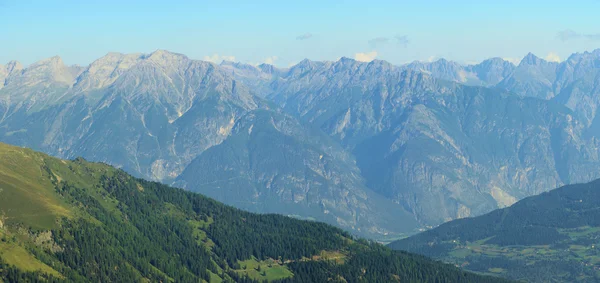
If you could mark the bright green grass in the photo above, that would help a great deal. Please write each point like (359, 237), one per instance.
(580, 231)
(198, 232)
(460, 253)
(18, 256)
(269, 270)
(28, 197)
(198, 226)
(215, 278)
(335, 256)
(162, 273)
(31, 201)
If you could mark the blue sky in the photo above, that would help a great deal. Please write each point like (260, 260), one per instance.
(285, 32)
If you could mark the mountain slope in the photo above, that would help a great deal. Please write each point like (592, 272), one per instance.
(574, 83)
(549, 237)
(92, 222)
(577, 86)
(533, 77)
(272, 163)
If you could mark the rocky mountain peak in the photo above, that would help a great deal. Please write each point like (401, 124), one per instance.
(106, 70)
(344, 64)
(112, 58)
(416, 80)
(495, 61)
(238, 65)
(346, 60)
(576, 58)
(165, 58)
(304, 63)
(531, 59)
(380, 65)
(54, 62)
(47, 71)
(493, 70)
(302, 67)
(267, 68)
(443, 61)
(13, 66)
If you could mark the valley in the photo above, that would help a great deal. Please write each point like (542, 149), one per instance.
(550, 237)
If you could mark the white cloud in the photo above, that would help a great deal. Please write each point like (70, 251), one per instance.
(569, 34)
(431, 59)
(216, 58)
(553, 57)
(378, 41)
(365, 57)
(271, 60)
(304, 36)
(513, 60)
(402, 40)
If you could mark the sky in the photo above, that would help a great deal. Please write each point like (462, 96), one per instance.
(286, 31)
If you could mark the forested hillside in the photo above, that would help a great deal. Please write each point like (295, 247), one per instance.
(81, 221)
(550, 237)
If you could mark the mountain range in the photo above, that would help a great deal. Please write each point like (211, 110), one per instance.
(377, 149)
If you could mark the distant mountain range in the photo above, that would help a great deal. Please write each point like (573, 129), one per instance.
(441, 148)
(552, 237)
(378, 149)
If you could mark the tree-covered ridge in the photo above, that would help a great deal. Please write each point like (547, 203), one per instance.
(550, 237)
(97, 223)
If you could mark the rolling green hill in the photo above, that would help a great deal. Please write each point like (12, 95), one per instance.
(552, 237)
(78, 221)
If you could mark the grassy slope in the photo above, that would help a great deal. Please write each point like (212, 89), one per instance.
(28, 201)
(31, 200)
(33, 203)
